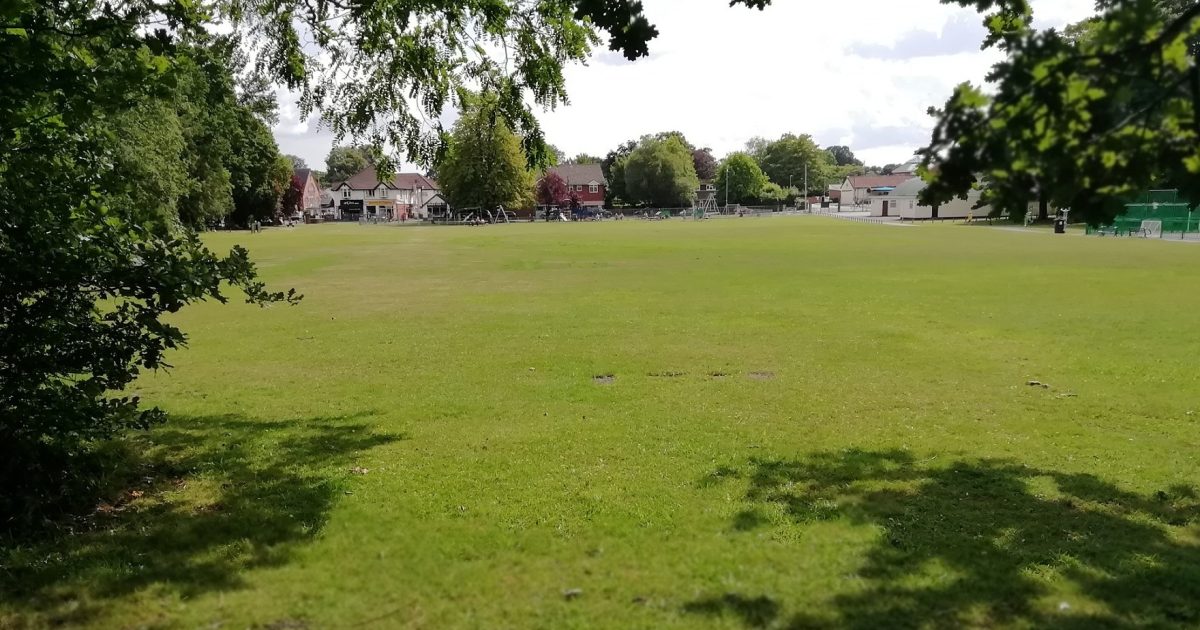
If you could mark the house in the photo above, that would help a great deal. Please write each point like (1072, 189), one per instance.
(857, 189)
(908, 168)
(902, 202)
(404, 195)
(305, 181)
(584, 180)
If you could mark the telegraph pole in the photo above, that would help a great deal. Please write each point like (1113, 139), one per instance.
(806, 187)
(727, 186)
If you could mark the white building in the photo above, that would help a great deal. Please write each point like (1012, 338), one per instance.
(902, 202)
(405, 195)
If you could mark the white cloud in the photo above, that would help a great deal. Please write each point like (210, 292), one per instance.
(723, 74)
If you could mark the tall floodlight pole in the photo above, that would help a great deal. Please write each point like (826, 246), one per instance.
(726, 186)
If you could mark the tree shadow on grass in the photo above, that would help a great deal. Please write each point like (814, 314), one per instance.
(217, 496)
(984, 543)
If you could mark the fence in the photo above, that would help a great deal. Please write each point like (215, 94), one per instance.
(1154, 213)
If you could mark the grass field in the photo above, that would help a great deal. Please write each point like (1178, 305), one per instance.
(800, 422)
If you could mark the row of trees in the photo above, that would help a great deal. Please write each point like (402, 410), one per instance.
(202, 152)
(665, 169)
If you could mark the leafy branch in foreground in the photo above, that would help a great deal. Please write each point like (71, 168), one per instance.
(120, 131)
(1076, 122)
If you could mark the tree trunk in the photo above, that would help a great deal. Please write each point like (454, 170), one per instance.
(1043, 209)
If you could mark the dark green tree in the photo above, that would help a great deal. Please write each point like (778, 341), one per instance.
(484, 166)
(343, 162)
(258, 174)
(740, 180)
(843, 156)
(1079, 120)
(660, 172)
(786, 160)
(613, 167)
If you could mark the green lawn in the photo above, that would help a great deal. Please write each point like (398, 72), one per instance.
(809, 423)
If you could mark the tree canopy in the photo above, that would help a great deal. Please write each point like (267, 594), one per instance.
(613, 167)
(95, 241)
(343, 162)
(785, 161)
(583, 158)
(551, 190)
(660, 172)
(740, 179)
(484, 166)
(1080, 119)
(843, 156)
(705, 163)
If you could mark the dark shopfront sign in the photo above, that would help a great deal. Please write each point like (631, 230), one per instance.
(351, 206)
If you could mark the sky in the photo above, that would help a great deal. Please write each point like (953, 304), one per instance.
(856, 72)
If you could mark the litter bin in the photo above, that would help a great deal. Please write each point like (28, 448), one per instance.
(1060, 226)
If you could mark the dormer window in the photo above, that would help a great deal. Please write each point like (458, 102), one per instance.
(345, 193)
(381, 192)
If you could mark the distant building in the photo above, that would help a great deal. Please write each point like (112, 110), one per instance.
(857, 189)
(305, 181)
(908, 168)
(586, 181)
(404, 195)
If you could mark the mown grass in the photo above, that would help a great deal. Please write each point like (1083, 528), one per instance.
(809, 423)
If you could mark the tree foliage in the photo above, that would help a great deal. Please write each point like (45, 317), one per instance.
(1079, 120)
(705, 163)
(93, 260)
(296, 160)
(342, 163)
(843, 156)
(785, 161)
(93, 252)
(552, 191)
(258, 174)
(613, 167)
(583, 158)
(660, 172)
(484, 166)
(384, 68)
(740, 180)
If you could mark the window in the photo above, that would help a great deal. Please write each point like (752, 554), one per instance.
(345, 193)
(594, 188)
(892, 203)
(381, 192)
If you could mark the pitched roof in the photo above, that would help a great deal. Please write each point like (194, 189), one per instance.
(875, 181)
(579, 174)
(367, 179)
(909, 167)
(302, 175)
